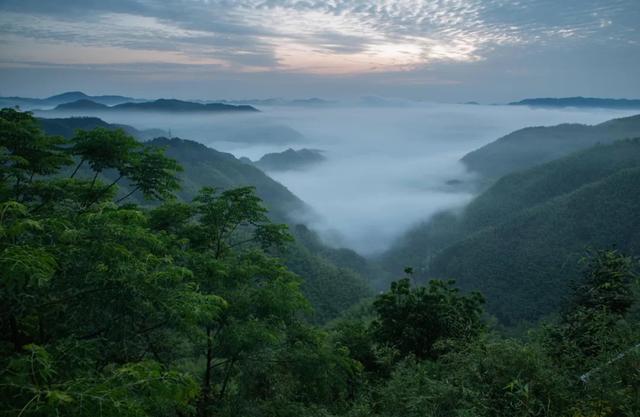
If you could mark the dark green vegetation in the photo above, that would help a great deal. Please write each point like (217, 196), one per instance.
(185, 308)
(609, 103)
(531, 146)
(206, 166)
(519, 242)
(160, 105)
(290, 159)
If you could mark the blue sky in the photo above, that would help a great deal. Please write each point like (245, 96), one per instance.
(443, 50)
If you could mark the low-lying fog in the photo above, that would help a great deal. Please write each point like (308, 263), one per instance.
(387, 168)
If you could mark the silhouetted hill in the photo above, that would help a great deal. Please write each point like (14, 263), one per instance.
(290, 159)
(609, 103)
(71, 96)
(172, 105)
(82, 104)
(527, 147)
(68, 97)
(108, 100)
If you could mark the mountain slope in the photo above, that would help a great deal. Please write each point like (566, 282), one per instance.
(524, 265)
(204, 166)
(531, 146)
(530, 228)
(334, 279)
(525, 189)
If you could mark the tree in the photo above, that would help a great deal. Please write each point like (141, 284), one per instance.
(91, 302)
(25, 152)
(606, 284)
(146, 169)
(427, 321)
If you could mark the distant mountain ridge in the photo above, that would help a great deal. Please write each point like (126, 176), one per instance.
(82, 104)
(531, 146)
(609, 103)
(108, 100)
(160, 105)
(290, 159)
(68, 97)
(520, 241)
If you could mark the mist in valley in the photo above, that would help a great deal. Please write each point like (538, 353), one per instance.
(387, 167)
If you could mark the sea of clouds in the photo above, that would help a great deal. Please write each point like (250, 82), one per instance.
(388, 166)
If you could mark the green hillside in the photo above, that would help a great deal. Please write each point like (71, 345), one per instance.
(524, 265)
(519, 241)
(525, 189)
(531, 146)
(206, 166)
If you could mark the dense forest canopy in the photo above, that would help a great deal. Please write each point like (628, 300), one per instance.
(119, 299)
(520, 240)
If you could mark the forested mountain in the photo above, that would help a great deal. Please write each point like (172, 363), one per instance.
(609, 103)
(203, 165)
(520, 240)
(290, 159)
(531, 146)
(332, 283)
(524, 265)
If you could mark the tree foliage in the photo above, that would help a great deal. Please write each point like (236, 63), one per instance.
(427, 321)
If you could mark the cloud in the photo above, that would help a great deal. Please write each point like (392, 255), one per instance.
(312, 36)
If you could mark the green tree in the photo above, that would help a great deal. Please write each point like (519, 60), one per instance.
(427, 321)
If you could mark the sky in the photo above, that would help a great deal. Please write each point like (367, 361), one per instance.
(436, 50)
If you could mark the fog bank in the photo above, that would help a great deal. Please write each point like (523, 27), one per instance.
(387, 168)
